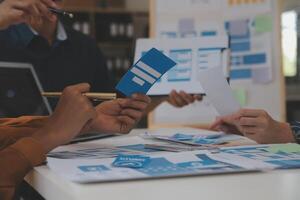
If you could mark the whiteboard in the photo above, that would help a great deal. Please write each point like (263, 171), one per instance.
(254, 29)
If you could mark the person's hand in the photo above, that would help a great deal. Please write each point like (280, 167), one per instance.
(72, 113)
(181, 99)
(257, 125)
(120, 115)
(21, 11)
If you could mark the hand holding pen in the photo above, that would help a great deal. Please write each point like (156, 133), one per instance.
(16, 11)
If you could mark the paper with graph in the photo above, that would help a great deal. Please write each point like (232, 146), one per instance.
(191, 56)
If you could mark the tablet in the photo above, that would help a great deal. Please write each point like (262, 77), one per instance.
(20, 91)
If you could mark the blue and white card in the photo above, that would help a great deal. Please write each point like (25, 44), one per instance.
(144, 73)
(131, 161)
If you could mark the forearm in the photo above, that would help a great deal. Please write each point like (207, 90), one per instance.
(11, 130)
(24, 121)
(9, 135)
(16, 161)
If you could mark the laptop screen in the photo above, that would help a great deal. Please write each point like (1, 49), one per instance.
(20, 91)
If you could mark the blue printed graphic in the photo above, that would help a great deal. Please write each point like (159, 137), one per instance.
(183, 70)
(182, 137)
(131, 161)
(240, 46)
(281, 160)
(94, 168)
(144, 74)
(255, 59)
(240, 74)
(208, 33)
(163, 167)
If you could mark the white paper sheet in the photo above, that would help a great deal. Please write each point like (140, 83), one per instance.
(162, 165)
(191, 55)
(218, 91)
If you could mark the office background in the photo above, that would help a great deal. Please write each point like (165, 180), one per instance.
(116, 25)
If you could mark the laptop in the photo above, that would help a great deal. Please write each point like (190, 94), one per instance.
(20, 91)
(20, 94)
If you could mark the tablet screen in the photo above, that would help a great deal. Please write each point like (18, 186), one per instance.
(20, 93)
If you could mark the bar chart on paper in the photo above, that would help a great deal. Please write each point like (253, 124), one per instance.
(183, 70)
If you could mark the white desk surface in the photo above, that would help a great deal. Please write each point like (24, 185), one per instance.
(275, 185)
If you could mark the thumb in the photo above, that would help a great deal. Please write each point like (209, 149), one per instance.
(216, 124)
(82, 87)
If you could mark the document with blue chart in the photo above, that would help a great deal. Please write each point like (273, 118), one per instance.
(189, 163)
(145, 72)
(191, 56)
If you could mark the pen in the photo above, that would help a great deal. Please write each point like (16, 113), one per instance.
(61, 12)
(92, 96)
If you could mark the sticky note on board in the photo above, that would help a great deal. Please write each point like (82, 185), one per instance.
(241, 96)
(238, 28)
(186, 26)
(263, 23)
(285, 148)
(262, 75)
(145, 72)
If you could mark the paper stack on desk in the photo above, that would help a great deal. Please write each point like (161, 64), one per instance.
(192, 163)
(129, 158)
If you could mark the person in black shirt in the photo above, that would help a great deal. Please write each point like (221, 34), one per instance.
(62, 56)
(68, 59)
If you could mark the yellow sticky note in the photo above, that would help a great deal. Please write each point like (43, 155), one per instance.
(241, 96)
(263, 23)
(286, 148)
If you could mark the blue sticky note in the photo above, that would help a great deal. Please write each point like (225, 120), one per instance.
(131, 161)
(144, 74)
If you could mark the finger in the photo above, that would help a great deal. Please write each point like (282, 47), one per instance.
(18, 16)
(82, 87)
(172, 100)
(45, 11)
(127, 124)
(130, 103)
(179, 101)
(142, 98)
(231, 119)
(49, 3)
(198, 97)
(224, 128)
(250, 130)
(188, 98)
(215, 125)
(250, 121)
(133, 114)
(251, 112)
(26, 7)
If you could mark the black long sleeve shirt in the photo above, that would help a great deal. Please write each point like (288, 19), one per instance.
(74, 60)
